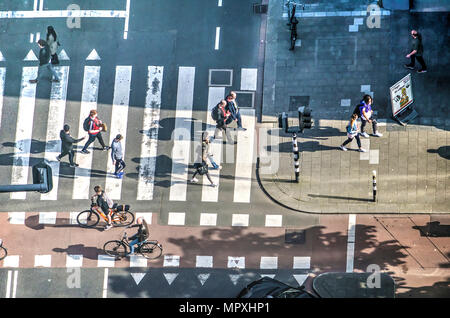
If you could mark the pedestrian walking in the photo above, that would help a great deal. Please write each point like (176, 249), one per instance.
(117, 156)
(67, 142)
(416, 52)
(365, 112)
(53, 44)
(206, 142)
(352, 133)
(220, 115)
(94, 127)
(202, 168)
(235, 114)
(44, 62)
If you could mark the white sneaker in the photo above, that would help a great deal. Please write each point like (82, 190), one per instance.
(213, 185)
(378, 134)
(343, 148)
(362, 150)
(365, 135)
(194, 180)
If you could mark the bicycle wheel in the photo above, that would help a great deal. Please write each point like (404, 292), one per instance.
(151, 250)
(122, 218)
(3, 252)
(88, 218)
(115, 248)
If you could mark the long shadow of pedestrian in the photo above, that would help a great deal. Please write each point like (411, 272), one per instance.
(433, 229)
(443, 151)
(89, 252)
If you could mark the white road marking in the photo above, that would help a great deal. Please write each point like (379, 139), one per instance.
(204, 261)
(2, 88)
(249, 77)
(208, 219)
(365, 144)
(210, 194)
(93, 56)
(24, 131)
(63, 56)
(41, 5)
(31, 37)
(127, 21)
(268, 262)
(16, 274)
(8, 285)
(219, 3)
(244, 157)
(240, 220)
(35, 5)
(236, 262)
(137, 277)
(42, 261)
(171, 261)
(56, 111)
(73, 261)
(234, 278)
(170, 277)
(300, 279)
(182, 134)
(345, 102)
(88, 101)
(176, 218)
(216, 44)
(31, 57)
(119, 118)
(365, 88)
(274, 220)
(149, 143)
(203, 278)
(105, 283)
(351, 231)
(47, 217)
(138, 261)
(16, 217)
(374, 156)
(11, 261)
(147, 216)
(2, 58)
(302, 262)
(63, 14)
(105, 261)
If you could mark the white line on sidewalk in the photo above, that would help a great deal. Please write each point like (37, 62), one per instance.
(216, 45)
(149, 143)
(56, 111)
(118, 125)
(105, 283)
(8, 285)
(210, 194)
(182, 134)
(88, 101)
(351, 242)
(244, 157)
(24, 131)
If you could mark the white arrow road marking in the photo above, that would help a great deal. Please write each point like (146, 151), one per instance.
(234, 278)
(170, 277)
(63, 56)
(203, 278)
(30, 56)
(137, 277)
(93, 56)
(2, 59)
(301, 279)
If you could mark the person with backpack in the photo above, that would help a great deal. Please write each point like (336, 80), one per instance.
(233, 108)
(67, 142)
(352, 133)
(44, 62)
(94, 127)
(416, 52)
(117, 156)
(365, 112)
(220, 115)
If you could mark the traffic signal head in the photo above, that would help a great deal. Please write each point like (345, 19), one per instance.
(304, 118)
(42, 174)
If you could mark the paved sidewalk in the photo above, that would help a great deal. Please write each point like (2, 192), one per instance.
(338, 61)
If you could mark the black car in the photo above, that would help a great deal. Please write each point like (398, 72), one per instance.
(271, 288)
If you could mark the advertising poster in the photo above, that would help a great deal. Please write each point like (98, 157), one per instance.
(401, 95)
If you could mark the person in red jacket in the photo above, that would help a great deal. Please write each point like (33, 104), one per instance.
(94, 132)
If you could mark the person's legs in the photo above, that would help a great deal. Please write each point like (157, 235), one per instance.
(358, 140)
(132, 244)
(100, 139)
(349, 140)
(193, 179)
(239, 120)
(71, 154)
(42, 70)
(52, 70)
(413, 61)
(213, 163)
(88, 142)
(363, 125)
(422, 63)
(374, 125)
(63, 154)
(227, 134)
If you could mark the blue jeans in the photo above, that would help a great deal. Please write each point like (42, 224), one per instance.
(133, 243)
(47, 67)
(236, 116)
(213, 163)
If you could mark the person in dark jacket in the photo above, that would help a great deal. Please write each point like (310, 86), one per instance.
(233, 108)
(67, 142)
(44, 62)
(140, 236)
(117, 156)
(221, 125)
(416, 52)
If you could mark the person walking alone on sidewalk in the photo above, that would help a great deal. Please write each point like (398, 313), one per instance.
(416, 52)
(352, 133)
(117, 156)
(233, 108)
(67, 142)
(221, 117)
(94, 127)
(44, 62)
(53, 44)
(366, 114)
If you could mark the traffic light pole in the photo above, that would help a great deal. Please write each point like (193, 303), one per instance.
(23, 187)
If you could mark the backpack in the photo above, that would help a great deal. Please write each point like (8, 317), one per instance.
(86, 124)
(357, 110)
(202, 168)
(215, 112)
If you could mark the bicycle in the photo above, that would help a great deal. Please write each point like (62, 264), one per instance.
(119, 249)
(3, 251)
(120, 216)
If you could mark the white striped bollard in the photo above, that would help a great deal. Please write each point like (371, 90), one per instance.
(296, 156)
(374, 185)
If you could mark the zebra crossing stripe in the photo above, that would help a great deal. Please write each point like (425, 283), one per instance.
(210, 194)
(119, 119)
(182, 134)
(24, 130)
(88, 101)
(56, 111)
(2, 88)
(149, 143)
(244, 157)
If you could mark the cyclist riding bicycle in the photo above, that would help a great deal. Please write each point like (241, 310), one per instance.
(140, 236)
(101, 202)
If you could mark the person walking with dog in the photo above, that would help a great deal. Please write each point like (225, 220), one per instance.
(94, 127)
(67, 142)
